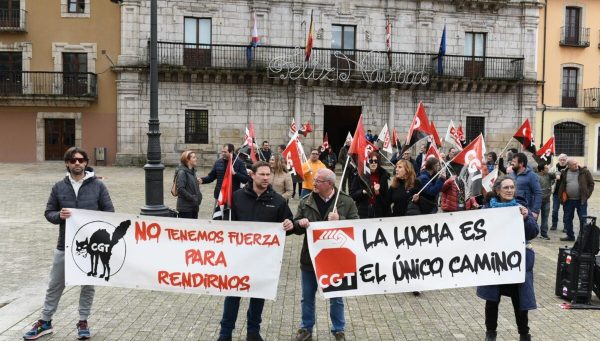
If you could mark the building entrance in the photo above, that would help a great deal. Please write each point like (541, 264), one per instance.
(339, 120)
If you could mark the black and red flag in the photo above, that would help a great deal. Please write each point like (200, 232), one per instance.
(306, 128)
(359, 153)
(525, 136)
(471, 159)
(419, 128)
(546, 153)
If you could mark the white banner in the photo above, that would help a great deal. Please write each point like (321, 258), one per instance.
(184, 255)
(437, 251)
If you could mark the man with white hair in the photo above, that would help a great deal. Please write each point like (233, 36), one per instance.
(562, 164)
(319, 206)
(576, 187)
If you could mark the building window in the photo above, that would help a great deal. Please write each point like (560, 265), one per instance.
(474, 64)
(10, 13)
(569, 138)
(569, 87)
(11, 73)
(197, 31)
(76, 6)
(196, 126)
(572, 25)
(475, 126)
(343, 39)
(75, 78)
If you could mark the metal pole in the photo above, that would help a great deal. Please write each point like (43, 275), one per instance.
(154, 168)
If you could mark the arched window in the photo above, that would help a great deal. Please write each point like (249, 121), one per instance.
(569, 138)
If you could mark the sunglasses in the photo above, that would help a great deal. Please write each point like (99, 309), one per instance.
(373, 161)
(76, 159)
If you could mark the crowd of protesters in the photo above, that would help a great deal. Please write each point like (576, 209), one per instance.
(412, 186)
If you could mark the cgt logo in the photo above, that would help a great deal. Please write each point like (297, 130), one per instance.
(335, 265)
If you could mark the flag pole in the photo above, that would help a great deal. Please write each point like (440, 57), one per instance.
(438, 173)
(388, 160)
(337, 196)
(503, 150)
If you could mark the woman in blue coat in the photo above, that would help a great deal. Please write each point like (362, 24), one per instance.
(521, 294)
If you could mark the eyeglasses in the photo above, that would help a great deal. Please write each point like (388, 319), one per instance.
(314, 153)
(319, 181)
(372, 161)
(76, 159)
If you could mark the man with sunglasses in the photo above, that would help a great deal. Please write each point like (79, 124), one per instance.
(310, 168)
(79, 189)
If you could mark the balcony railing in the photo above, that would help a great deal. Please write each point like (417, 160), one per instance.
(57, 84)
(13, 20)
(591, 99)
(574, 36)
(354, 64)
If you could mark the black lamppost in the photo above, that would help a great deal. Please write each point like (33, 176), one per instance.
(154, 168)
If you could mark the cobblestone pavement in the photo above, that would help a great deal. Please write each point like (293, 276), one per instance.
(27, 242)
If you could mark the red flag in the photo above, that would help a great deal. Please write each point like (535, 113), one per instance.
(419, 128)
(325, 144)
(306, 128)
(309, 39)
(547, 151)
(431, 152)
(472, 158)
(436, 136)
(359, 152)
(226, 194)
(525, 135)
(394, 138)
(293, 159)
(249, 140)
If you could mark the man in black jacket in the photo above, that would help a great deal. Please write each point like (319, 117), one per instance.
(218, 171)
(79, 189)
(255, 202)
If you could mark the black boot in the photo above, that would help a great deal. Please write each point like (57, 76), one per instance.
(524, 337)
(490, 336)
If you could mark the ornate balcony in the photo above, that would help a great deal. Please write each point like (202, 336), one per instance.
(591, 100)
(13, 20)
(490, 5)
(205, 62)
(574, 36)
(47, 88)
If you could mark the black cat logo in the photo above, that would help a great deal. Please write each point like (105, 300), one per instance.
(100, 246)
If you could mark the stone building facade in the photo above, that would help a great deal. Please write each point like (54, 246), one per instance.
(212, 83)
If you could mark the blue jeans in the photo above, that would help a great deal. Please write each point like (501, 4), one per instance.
(230, 312)
(555, 207)
(569, 208)
(336, 305)
(544, 213)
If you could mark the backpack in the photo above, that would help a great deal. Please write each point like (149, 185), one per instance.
(174, 186)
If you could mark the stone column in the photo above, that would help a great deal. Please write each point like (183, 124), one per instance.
(130, 33)
(297, 117)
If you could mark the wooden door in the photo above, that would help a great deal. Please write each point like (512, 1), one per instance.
(59, 136)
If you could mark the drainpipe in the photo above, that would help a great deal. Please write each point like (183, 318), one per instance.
(544, 71)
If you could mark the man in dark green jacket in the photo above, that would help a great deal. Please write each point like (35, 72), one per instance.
(319, 206)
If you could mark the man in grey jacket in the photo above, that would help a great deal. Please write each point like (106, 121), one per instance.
(79, 189)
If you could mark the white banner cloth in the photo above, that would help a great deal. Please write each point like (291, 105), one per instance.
(427, 252)
(184, 255)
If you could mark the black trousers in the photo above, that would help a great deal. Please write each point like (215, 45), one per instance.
(491, 310)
